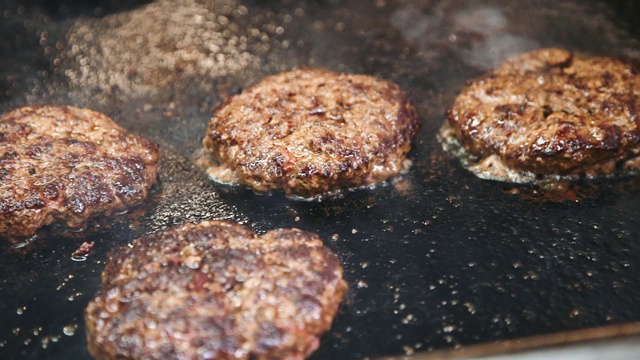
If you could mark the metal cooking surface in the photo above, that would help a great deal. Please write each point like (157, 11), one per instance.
(435, 259)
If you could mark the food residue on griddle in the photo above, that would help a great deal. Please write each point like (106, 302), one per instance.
(83, 249)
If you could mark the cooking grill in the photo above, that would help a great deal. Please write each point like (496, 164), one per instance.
(435, 259)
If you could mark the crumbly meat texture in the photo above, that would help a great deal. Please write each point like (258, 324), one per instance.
(215, 290)
(312, 131)
(60, 163)
(548, 112)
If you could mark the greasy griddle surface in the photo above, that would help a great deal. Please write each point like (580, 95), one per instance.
(435, 259)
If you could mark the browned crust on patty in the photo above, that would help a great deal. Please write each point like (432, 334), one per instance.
(60, 163)
(311, 131)
(215, 290)
(549, 112)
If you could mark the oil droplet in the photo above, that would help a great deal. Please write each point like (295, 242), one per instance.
(21, 310)
(574, 313)
(470, 307)
(69, 330)
(448, 328)
(448, 338)
(408, 350)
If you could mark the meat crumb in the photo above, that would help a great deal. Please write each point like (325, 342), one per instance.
(84, 249)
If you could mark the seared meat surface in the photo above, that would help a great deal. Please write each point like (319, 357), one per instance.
(215, 290)
(312, 131)
(549, 112)
(68, 164)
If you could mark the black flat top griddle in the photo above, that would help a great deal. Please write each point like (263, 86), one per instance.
(435, 259)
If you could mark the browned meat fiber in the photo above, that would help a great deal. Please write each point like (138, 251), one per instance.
(312, 131)
(549, 112)
(215, 290)
(68, 164)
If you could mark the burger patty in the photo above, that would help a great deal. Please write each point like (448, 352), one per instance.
(312, 131)
(215, 290)
(68, 164)
(548, 112)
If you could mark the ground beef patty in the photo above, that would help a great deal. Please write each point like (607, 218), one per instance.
(215, 290)
(312, 131)
(549, 113)
(68, 164)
